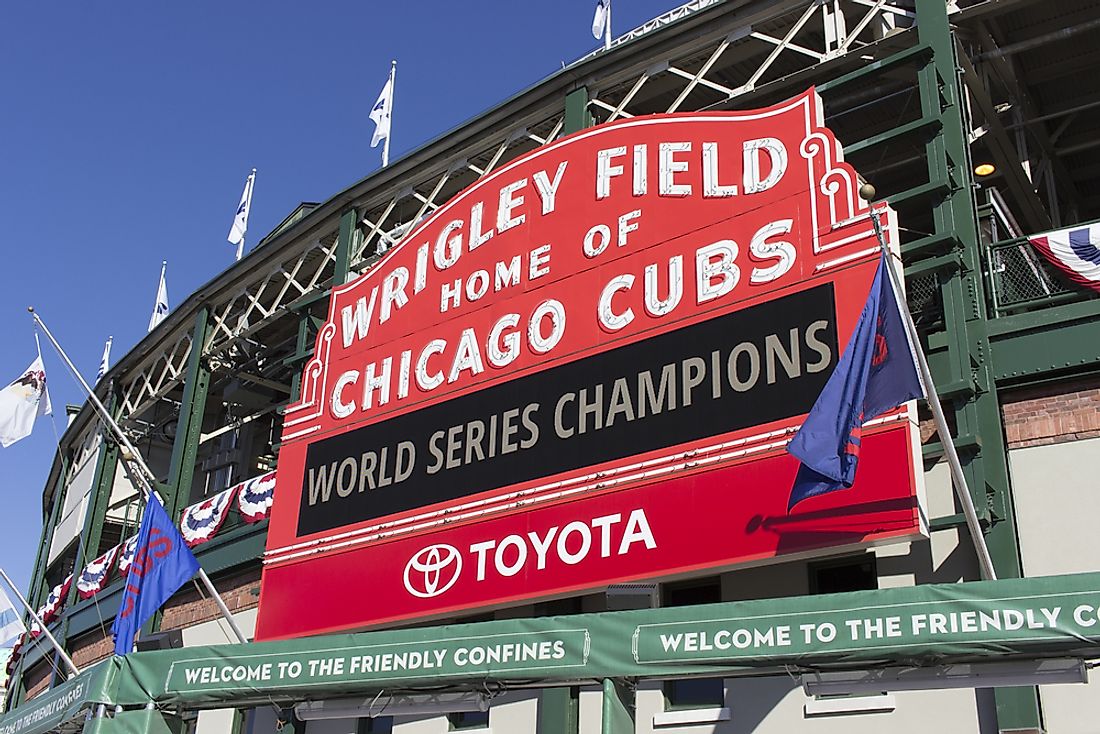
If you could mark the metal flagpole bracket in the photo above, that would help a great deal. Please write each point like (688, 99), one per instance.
(958, 479)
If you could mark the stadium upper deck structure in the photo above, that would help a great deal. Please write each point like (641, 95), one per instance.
(919, 93)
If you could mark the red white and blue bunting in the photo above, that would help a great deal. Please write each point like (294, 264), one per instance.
(255, 496)
(1075, 251)
(202, 521)
(127, 556)
(199, 524)
(94, 576)
(56, 600)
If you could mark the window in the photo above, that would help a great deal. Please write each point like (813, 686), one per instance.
(468, 720)
(697, 692)
(857, 573)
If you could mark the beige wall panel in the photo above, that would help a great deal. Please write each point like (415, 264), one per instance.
(1057, 501)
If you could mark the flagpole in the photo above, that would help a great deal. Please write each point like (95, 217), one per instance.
(42, 625)
(958, 479)
(386, 142)
(130, 453)
(251, 184)
(607, 29)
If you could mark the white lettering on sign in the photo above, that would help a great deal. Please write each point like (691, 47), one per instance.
(431, 571)
(763, 165)
(570, 544)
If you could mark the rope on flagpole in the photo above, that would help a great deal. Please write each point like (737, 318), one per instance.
(958, 479)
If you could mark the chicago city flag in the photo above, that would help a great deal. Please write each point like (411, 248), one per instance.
(876, 373)
(21, 402)
(162, 563)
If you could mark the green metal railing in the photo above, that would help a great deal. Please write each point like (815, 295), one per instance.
(1021, 279)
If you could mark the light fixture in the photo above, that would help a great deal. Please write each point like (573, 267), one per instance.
(396, 705)
(985, 169)
(961, 675)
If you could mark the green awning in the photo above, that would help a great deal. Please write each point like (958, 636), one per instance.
(63, 707)
(1027, 618)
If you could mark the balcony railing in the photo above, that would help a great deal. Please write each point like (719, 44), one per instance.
(1021, 279)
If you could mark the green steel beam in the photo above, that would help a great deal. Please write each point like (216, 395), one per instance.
(618, 708)
(902, 58)
(559, 710)
(302, 351)
(1029, 345)
(577, 116)
(965, 322)
(927, 125)
(934, 244)
(185, 447)
(349, 223)
(303, 347)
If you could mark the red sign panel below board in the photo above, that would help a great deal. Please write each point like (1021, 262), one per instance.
(584, 369)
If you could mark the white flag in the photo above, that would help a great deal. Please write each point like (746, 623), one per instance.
(105, 361)
(381, 112)
(160, 308)
(599, 20)
(21, 402)
(240, 220)
(11, 622)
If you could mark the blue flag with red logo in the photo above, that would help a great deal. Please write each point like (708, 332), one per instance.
(162, 563)
(876, 373)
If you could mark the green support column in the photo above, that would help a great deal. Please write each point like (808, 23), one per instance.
(301, 352)
(176, 490)
(618, 708)
(349, 231)
(577, 116)
(185, 448)
(970, 384)
(559, 710)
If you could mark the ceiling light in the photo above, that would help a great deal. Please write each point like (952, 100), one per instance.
(985, 169)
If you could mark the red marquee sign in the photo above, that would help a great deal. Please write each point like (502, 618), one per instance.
(583, 370)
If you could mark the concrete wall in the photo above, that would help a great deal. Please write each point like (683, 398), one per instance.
(217, 632)
(1057, 491)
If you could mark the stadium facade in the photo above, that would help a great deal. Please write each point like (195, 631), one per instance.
(919, 93)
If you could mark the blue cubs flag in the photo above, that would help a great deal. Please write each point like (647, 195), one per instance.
(876, 373)
(162, 563)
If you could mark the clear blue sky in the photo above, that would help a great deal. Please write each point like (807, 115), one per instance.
(127, 130)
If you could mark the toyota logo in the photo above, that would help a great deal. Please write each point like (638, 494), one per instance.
(432, 570)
